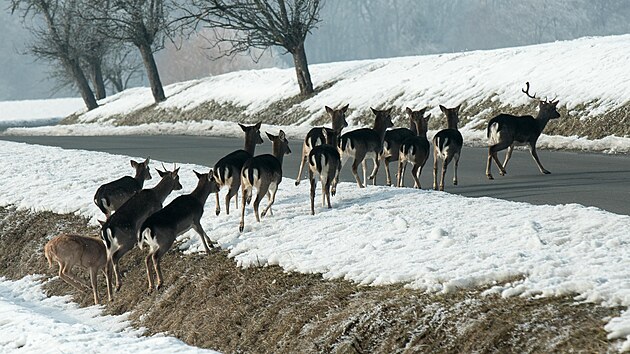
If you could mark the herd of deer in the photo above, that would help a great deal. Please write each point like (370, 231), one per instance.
(135, 216)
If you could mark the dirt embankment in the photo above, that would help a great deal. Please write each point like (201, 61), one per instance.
(209, 302)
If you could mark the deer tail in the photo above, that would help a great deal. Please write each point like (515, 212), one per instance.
(48, 256)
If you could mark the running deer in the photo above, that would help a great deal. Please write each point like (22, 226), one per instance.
(227, 171)
(321, 135)
(110, 196)
(324, 160)
(161, 229)
(120, 231)
(393, 139)
(265, 173)
(366, 142)
(505, 130)
(447, 146)
(414, 149)
(86, 252)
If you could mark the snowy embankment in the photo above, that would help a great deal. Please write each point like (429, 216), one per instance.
(379, 235)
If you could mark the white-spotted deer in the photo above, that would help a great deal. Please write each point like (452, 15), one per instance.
(227, 171)
(415, 149)
(86, 252)
(391, 145)
(120, 231)
(324, 160)
(505, 130)
(110, 196)
(366, 142)
(447, 146)
(264, 172)
(320, 135)
(160, 230)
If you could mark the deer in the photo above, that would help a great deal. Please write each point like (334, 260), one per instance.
(447, 146)
(160, 230)
(110, 196)
(324, 160)
(120, 231)
(366, 142)
(227, 171)
(391, 145)
(69, 250)
(506, 130)
(265, 173)
(414, 149)
(320, 135)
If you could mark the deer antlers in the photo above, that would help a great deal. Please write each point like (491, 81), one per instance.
(526, 91)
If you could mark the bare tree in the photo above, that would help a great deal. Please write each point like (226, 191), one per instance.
(143, 24)
(56, 38)
(262, 24)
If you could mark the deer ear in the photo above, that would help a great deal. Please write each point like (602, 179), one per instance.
(408, 111)
(199, 175)
(257, 126)
(329, 110)
(146, 162)
(270, 136)
(345, 108)
(101, 222)
(244, 128)
(426, 118)
(374, 111)
(443, 109)
(458, 107)
(134, 164)
(282, 135)
(161, 173)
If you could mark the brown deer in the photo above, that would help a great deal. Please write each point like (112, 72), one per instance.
(265, 173)
(160, 230)
(414, 149)
(320, 135)
(120, 231)
(324, 160)
(505, 130)
(447, 146)
(227, 171)
(366, 142)
(110, 196)
(86, 252)
(393, 139)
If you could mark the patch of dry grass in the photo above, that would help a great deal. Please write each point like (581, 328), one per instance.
(209, 302)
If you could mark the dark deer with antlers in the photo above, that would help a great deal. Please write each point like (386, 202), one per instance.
(320, 135)
(110, 196)
(505, 130)
(447, 146)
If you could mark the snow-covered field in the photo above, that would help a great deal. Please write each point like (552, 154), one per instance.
(428, 240)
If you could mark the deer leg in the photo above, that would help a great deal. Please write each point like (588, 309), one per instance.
(401, 173)
(93, 274)
(364, 167)
(326, 193)
(377, 164)
(493, 150)
(231, 193)
(108, 281)
(508, 155)
(355, 166)
(415, 175)
(456, 158)
(65, 273)
(532, 150)
(299, 176)
(388, 178)
(272, 198)
(217, 209)
(147, 260)
(445, 163)
(245, 193)
(204, 238)
(333, 189)
(313, 182)
(435, 166)
(158, 270)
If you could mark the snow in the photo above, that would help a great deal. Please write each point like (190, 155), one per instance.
(428, 240)
(31, 322)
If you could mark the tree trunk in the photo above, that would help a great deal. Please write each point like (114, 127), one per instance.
(97, 79)
(152, 73)
(82, 83)
(301, 69)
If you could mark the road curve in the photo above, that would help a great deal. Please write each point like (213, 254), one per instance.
(589, 179)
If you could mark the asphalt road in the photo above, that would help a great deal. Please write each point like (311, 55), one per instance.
(588, 179)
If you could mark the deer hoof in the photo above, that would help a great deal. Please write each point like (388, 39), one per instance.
(454, 182)
(546, 172)
(241, 227)
(218, 211)
(489, 176)
(297, 183)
